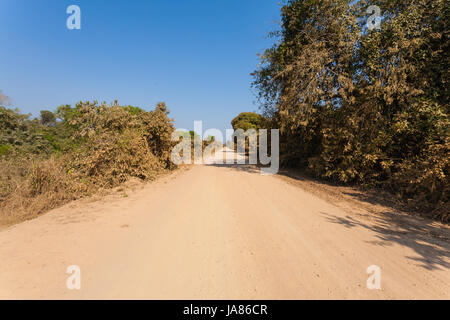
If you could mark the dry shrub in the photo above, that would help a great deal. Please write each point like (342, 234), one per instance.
(31, 187)
(113, 159)
(107, 145)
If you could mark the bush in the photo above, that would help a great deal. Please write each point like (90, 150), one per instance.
(361, 106)
(90, 147)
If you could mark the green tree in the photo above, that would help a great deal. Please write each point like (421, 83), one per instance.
(248, 120)
(48, 118)
(355, 105)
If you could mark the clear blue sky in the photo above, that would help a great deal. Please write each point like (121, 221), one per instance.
(196, 55)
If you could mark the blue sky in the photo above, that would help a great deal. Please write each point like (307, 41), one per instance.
(196, 55)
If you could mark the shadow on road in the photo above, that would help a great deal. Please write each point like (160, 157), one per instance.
(250, 168)
(430, 241)
(228, 153)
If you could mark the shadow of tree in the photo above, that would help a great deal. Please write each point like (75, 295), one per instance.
(249, 168)
(377, 197)
(430, 241)
(245, 167)
(373, 196)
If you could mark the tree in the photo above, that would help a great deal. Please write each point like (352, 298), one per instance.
(48, 118)
(248, 120)
(355, 105)
(161, 106)
(4, 100)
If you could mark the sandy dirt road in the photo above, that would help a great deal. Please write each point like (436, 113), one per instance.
(219, 232)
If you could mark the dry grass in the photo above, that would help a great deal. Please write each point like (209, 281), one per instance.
(31, 187)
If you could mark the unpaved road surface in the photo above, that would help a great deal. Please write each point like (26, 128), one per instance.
(219, 232)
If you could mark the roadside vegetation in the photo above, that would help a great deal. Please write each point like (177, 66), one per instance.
(76, 151)
(359, 106)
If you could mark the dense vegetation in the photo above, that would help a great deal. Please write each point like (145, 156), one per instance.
(75, 151)
(364, 106)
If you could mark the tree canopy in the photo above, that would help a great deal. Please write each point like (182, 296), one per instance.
(360, 105)
(248, 120)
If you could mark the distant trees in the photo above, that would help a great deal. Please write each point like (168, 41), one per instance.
(243, 125)
(355, 105)
(248, 120)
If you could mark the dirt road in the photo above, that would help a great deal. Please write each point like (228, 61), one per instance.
(220, 232)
